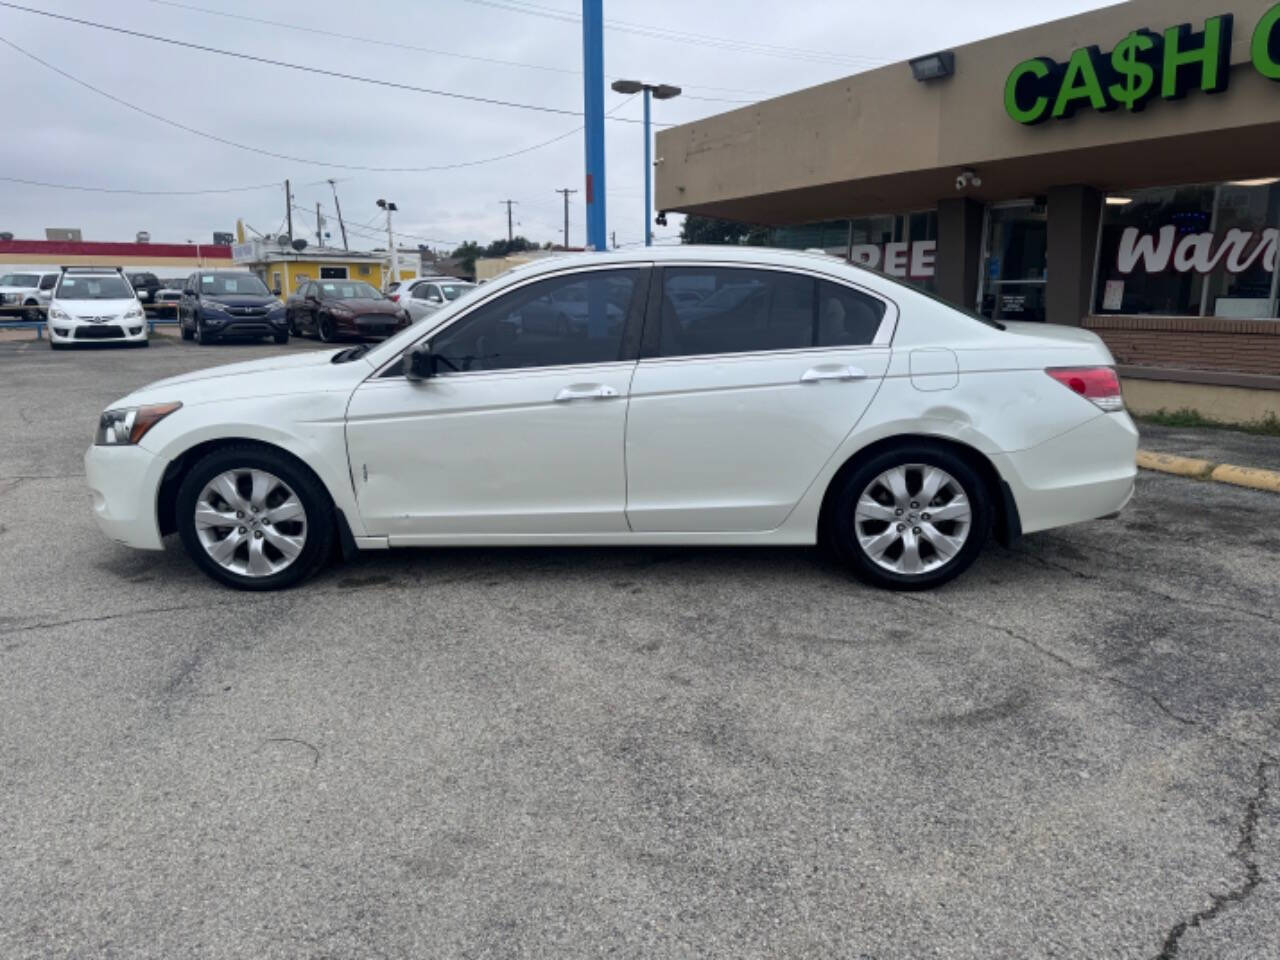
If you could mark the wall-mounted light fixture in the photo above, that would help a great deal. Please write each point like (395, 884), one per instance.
(933, 66)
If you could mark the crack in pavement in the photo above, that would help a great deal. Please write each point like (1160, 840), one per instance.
(315, 751)
(1244, 852)
(1077, 667)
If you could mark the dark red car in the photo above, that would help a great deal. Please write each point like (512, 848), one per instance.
(342, 309)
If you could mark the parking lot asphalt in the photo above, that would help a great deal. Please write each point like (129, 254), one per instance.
(1072, 751)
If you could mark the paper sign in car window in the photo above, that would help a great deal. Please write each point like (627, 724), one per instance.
(230, 285)
(329, 286)
(206, 279)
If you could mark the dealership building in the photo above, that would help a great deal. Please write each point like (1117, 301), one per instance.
(1118, 170)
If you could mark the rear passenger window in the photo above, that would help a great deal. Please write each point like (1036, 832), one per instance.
(846, 318)
(715, 310)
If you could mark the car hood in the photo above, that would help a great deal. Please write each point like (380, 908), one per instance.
(242, 299)
(272, 376)
(96, 308)
(365, 306)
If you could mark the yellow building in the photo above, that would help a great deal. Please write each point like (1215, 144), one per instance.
(286, 269)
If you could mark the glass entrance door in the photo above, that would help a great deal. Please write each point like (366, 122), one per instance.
(1014, 272)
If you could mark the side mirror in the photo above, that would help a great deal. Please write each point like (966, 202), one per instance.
(420, 363)
(275, 291)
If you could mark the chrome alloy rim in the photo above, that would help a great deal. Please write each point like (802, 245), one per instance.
(250, 522)
(913, 519)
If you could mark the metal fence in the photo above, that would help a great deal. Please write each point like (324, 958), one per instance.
(18, 317)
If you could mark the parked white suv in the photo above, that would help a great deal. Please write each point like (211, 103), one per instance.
(23, 294)
(819, 400)
(95, 305)
(424, 297)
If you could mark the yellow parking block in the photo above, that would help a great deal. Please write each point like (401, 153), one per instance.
(1170, 463)
(1247, 477)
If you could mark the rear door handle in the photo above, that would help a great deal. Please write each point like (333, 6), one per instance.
(585, 391)
(832, 372)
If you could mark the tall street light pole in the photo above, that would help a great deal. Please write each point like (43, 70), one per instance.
(393, 272)
(593, 111)
(661, 91)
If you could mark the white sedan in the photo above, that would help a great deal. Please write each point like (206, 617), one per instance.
(423, 297)
(819, 402)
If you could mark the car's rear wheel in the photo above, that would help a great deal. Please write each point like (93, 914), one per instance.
(911, 517)
(253, 519)
(31, 313)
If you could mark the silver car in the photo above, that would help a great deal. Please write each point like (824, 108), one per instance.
(426, 295)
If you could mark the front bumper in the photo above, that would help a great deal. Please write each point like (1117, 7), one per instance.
(1083, 474)
(223, 325)
(133, 330)
(124, 482)
(372, 325)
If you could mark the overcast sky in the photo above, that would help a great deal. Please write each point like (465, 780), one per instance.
(60, 132)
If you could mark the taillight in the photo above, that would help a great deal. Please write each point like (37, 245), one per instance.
(395, 298)
(1099, 385)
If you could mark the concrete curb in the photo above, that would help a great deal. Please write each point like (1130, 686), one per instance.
(1251, 477)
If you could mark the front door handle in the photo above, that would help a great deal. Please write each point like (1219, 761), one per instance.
(585, 391)
(832, 372)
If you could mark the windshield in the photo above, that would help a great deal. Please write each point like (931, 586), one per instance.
(333, 290)
(19, 280)
(94, 288)
(452, 291)
(232, 284)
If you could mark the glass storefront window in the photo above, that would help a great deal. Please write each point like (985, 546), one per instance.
(1202, 250)
(1014, 273)
(903, 246)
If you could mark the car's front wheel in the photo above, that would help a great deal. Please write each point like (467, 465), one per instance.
(253, 519)
(325, 328)
(204, 336)
(911, 517)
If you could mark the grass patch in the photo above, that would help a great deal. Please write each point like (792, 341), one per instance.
(1268, 426)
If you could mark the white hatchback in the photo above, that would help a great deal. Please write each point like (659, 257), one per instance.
(811, 401)
(95, 305)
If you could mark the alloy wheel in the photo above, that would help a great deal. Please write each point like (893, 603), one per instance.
(250, 522)
(913, 519)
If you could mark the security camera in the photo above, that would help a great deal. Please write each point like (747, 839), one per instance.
(661, 219)
(967, 179)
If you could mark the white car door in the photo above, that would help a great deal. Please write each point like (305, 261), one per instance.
(520, 434)
(749, 380)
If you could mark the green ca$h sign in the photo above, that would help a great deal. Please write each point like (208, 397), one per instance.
(1142, 66)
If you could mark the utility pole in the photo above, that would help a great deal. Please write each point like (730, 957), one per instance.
(338, 207)
(510, 231)
(319, 226)
(566, 191)
(288, 208)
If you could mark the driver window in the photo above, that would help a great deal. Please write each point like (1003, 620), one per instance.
(575, 319)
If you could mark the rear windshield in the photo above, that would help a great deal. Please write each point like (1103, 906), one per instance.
(230, 284)
(94, 288)
(338, 290)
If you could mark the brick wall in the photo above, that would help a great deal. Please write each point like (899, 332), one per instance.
(1192, 343)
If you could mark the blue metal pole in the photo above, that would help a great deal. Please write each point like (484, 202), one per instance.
(648, 172)
(593, 110)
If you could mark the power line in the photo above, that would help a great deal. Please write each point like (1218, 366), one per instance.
(177, 124)
(662, 33)
(375, 233)
(145, 193)
(357, 78)
(399, 45)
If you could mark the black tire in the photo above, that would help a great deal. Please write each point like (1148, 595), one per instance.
(293, 327)
(841, 528)
(324, 329)
(31, 312)
(56, 346)
(203, 336)
(143, 345)
(186, 334)
(282, 338)
(321, 526)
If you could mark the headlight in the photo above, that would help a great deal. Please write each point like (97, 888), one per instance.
(57, 313)
(213, 305)
(133, 313)
(130, 424)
